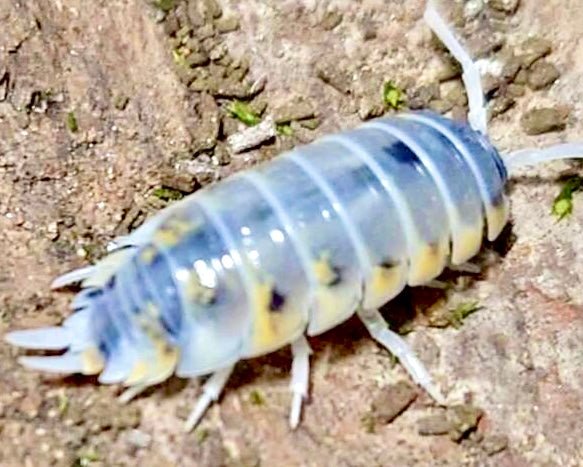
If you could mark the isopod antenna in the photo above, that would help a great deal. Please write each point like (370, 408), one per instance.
(477, 115)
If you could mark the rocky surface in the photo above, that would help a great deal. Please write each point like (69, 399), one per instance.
(111, 110)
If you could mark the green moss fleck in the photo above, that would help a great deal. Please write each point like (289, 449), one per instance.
(284, 129)
(563, 203)
(121, 102)
(201, 435)
(368, 423)
(167, 194)
(72, 122)
(461, 312)
(393, 96)
(165, 5)
(86, 458)
(256, 398)
(244, 113)
(179, 57)
(63, 404)
(310, 123)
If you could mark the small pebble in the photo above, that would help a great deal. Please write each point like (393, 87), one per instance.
(227, 24)
(253, 136)
(459, 114)
(171, 25)
(473, 8)
(370, 107)
(139, 439)
(419, 98)
(222, 155)
(202, 172)
(521, 77)
(533, 49)
(543, 120)
(195, 15)
(310, 124)
(454, 92)
(53, 231)
(197, 59)
(298, 109)
(182, 16)
(465, 419)
(441, 106)
(510, 68)
(121, 102)
(212, 8)
(434, 425)
(506, 6)
(183, 182)
(542, 74)
(332, 75)
(494, 444)
(393, 401)
(500, 105)
(491, 84)
(448, 69)
(368, 30)
(331, 20)
(515, 90)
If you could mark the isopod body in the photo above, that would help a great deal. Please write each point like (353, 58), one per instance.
(295, 246)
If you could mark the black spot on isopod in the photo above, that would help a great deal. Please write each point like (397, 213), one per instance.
(497, 200)
(401, 153)
(277, 301)
(337, 276)
(388, 264)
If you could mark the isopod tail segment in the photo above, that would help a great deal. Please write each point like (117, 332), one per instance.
(147, 351)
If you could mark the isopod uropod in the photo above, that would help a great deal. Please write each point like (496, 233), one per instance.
(290, 248)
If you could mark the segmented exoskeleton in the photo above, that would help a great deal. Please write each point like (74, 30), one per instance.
(290, 248)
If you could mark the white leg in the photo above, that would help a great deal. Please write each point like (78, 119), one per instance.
(131, 392)
(395, 344)
(436, 284)
(210, 393)
(300, 378)
(469, 268)
(471, 74)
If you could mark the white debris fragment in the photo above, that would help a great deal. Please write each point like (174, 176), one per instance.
(489, 66)
(253, 136)
(139, 439)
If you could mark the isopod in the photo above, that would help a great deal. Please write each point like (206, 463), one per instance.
(288, 249)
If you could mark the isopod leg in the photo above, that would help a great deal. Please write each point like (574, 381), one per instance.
(469, 268)
(395, 344)
(131, 392)
(211, 391)
(300, 378)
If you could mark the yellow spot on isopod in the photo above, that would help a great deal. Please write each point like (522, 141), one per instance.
(384, 283)
(497, 217)
(272, 329)
(323, 270)
(148, 254)
(92, 361)
(467, 244)
(332, 307)
(138, 373)
(428, 263)
(156, 369)
(173, 231)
